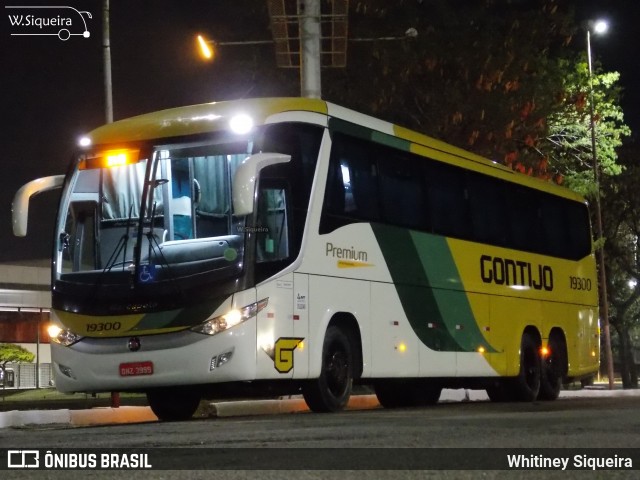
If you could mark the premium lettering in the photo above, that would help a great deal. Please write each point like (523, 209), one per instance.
(345, 253)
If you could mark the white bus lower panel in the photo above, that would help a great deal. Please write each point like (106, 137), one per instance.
(182, 358)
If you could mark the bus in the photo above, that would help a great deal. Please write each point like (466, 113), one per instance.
(283, 246)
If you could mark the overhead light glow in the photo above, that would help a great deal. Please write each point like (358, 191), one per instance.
(600, 27)
(84, 141)
(205, 49)
(110, 158)
(241, 123)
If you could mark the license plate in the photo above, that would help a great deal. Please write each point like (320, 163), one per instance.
(136, 368)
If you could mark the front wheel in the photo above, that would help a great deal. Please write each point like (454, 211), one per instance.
(173, 404)
(330, 392)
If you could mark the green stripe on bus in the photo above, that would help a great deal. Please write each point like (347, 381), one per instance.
(453, 304)
(441, 317)
(418, 302)
(358, 131)
(390, 141)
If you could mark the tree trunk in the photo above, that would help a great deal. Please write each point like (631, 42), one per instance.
(625, 354)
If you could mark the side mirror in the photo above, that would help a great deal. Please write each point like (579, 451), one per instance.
(20, 205)
(244, 181)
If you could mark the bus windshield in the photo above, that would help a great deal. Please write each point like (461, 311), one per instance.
(163, 214)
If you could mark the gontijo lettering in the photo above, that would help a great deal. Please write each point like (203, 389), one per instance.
(505, 271)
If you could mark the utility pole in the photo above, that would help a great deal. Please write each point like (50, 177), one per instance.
(602, 276)
(106, 49)
(310, 81)
(108, 105)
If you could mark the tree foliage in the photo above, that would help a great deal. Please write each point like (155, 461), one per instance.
(478, 75)
(621, 223)
(568, 143)
(11, 353)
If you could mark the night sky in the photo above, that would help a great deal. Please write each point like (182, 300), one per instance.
(53, 91)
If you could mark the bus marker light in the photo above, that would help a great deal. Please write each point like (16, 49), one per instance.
(110, 159)
(544, 352)
(241, 123)
(402, 347)
(481, 349)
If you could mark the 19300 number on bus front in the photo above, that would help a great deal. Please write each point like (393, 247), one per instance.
(103, 327)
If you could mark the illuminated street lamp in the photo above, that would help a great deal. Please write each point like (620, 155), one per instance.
(207, 47)
(310, 62)
(599, 27)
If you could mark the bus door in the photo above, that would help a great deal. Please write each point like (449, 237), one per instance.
(276, 342)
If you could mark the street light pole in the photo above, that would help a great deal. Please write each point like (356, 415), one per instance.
(106, 46)
(310, 67)
(600, 27)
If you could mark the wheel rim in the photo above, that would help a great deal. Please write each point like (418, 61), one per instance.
(337, 372)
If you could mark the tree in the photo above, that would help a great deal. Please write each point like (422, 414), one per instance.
(10, 353)
(567, 146)
(481, 75)
(621, 206)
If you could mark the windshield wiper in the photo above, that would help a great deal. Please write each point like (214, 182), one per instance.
(121, 246)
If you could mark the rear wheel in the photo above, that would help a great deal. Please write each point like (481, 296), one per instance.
(331, 391)
(527, 384)
(553, 367)
(174, 404)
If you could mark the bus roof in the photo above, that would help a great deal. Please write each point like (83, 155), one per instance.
(207, 117)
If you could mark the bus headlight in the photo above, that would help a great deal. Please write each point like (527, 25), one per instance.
(62, 336)
(230, 319)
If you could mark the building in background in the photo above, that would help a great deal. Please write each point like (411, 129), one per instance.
(25, 303)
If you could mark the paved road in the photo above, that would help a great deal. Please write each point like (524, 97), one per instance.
(325, 440)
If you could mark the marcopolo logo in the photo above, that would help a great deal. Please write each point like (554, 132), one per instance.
(60, 21)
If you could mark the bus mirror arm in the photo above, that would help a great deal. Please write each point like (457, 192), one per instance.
(245, 179)
(20, 205)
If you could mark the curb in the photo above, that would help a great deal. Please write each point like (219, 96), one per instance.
(130, 414)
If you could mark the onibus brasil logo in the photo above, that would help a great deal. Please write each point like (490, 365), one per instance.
(60, 21)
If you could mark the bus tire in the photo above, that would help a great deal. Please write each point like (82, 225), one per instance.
(175, 404)
(553, 367)
(527, 384)
(331, 391)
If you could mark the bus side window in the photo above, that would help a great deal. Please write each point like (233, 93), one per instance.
(181, 201)
(447, 199)
(272, 226)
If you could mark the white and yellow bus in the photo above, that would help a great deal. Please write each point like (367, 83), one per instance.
(276, 246)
